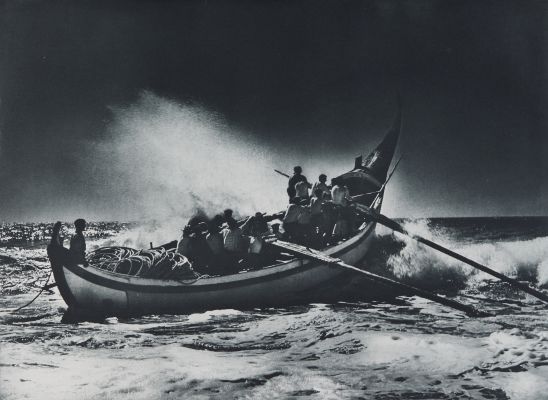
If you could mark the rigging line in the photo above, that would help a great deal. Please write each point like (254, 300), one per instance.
(35, 297)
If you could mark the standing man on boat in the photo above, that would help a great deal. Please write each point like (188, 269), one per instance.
(296, 178)
(77, 249)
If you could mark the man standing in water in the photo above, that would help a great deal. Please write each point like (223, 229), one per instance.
(78, 243)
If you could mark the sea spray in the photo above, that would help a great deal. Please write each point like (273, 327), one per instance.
(162, 159)
(418, 264)
(144, 233)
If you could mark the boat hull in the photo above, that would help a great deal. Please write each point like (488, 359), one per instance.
(91, 291)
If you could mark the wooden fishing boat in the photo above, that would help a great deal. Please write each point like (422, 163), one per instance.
(93, 291)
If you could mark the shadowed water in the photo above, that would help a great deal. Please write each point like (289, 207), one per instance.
(405, 348)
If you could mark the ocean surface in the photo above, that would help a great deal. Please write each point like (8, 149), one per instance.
(402, 348)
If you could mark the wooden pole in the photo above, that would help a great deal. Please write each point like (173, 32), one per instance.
(406, 289)
(282, 173)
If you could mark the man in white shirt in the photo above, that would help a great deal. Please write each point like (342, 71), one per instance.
(233, 237)
(316, 215)
(291, 218)
(184, 244)
(321, 185)
(340, 195)
(234, 245)
(302, 189)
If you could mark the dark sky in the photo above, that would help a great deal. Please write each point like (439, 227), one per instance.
(317, 78)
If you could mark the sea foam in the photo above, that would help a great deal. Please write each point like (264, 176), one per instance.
(522, 259)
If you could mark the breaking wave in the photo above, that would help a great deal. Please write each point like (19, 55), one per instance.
(409, 260)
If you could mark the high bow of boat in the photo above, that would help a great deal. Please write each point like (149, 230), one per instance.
(369, 174)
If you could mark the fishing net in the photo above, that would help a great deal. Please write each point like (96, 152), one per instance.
(156, 263)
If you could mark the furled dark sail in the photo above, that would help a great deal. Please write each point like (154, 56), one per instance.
(378, 161)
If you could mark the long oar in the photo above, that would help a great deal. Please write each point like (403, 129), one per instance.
(282, 173)
(390, 223)
(407, 289)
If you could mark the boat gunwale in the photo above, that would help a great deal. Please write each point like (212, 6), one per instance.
(362, 174)
(138, 284)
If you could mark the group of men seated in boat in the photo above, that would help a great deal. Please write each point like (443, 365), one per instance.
(222, 245)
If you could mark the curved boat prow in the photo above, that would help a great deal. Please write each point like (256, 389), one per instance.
(369, 175)
(59, 257)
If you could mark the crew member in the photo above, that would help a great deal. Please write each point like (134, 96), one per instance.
(233, 242)
(321, 185)
(316, 216)
(215, 240)
(78, 243)
(340, 195)
(276, 234)
(303, 225)
(201, 253)
(329, 218)
(344, 212)
(184, 245)
(255, 225)
(291, 217)
(341, 227)
(291, 192)
(297, 177)
(256, 254)
(301, 189)
(228, 215)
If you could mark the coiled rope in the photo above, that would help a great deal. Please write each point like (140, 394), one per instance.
(154, 263)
